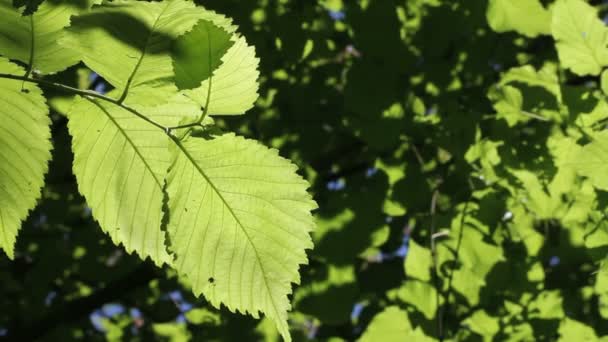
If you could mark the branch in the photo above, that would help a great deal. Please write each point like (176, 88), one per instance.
(85, 93)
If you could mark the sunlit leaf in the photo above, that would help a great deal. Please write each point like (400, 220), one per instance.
(24, 152)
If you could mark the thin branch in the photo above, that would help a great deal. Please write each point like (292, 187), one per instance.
(445, 308)
(434, 272)
(32, 47)
(86, 93)
(534, 116)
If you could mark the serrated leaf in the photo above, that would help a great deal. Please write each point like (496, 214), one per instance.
(129, 44)
(120, 162)
(24, 152)
(240, 223)
(582, 38)
(33, 39)
(198, 53)
(527, 17)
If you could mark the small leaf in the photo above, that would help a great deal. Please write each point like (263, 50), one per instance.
(233, 87)
(198, 53)
(24, 152)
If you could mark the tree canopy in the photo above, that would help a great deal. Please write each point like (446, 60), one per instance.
(267, 170)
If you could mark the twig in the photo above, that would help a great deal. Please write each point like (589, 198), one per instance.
(445, 308)
(85, 93)
(434, 258)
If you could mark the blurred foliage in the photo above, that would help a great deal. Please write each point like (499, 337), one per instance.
(458, 158)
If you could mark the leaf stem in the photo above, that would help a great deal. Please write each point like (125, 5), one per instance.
(190, 125)
(32, 47)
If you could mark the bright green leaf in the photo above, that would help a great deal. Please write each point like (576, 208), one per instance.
(571, 330)
(582, 38)
(129, 44)
(240, 223)
(421, 295)
(483, 324)
(198, 53)
(233, 87)
(33, 39)
(24, 152)
(120, 162)
(592, 160)
(418, 262)
(527, 17)
(390, 325)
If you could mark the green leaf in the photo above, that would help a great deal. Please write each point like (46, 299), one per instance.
(240, 223)
(604, 82)
(483, 324)
(582, 38)
(198, 52)
(129, 44)
(33, 39)
(592, 160)
(545, 78)
(392, 325)
(527, 17)
(572, 330)
(120, 162)
(418, 262)
(421, 295)
(24, 152)
(508, 103)
(548, 305)
(233, 87)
